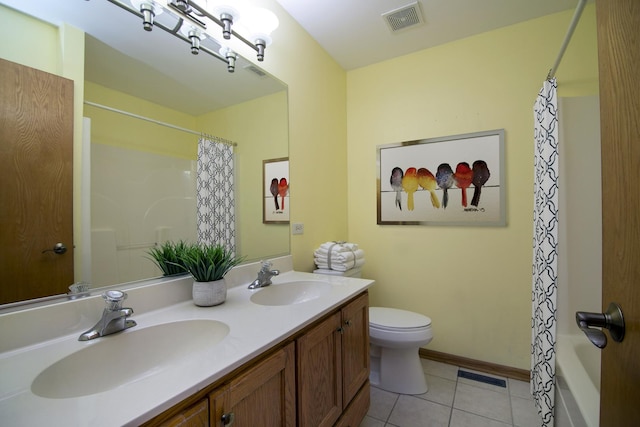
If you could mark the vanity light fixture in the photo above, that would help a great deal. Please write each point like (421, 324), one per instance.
(193, 18)
(149, 9)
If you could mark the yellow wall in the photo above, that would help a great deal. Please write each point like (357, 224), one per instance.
(112, 128)
(474, 282)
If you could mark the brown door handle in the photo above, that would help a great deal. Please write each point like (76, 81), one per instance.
(59, 249)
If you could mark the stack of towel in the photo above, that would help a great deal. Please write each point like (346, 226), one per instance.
(339, 256)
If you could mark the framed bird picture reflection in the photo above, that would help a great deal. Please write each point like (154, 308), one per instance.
(275, 200)
(453, 180)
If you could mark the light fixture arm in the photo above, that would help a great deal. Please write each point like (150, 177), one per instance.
(203, 12)
(172, 31)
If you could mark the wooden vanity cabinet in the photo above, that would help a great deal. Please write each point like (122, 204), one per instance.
(317, 378)
(263, 395)
(333, 366)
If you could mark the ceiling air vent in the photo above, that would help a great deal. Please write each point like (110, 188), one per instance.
(255, 70)
(405, 17)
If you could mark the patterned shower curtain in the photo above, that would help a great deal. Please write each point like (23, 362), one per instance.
(215, 202)
(545, 252)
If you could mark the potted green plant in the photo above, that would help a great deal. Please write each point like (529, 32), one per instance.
(208, 264)
(167, 256)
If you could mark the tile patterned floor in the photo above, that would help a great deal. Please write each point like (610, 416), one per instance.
(454, 401)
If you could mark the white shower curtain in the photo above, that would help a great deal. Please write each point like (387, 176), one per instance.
(545, 252)
(215, 200)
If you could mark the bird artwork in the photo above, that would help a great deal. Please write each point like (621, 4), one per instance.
(444, 179)
(463, 177)
(396, 184)
(274, 192)
(410, 185)
(283, 189)
(427, 181)
(481, 175)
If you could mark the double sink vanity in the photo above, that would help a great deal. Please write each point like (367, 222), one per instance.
(293, 353)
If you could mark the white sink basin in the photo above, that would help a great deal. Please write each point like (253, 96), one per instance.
(290, 292)
(121, 358)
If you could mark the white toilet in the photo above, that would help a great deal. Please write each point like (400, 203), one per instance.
(395, 337)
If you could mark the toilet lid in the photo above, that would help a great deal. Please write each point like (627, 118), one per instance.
(384, 317)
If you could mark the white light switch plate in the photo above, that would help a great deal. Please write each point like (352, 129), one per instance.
(297, 228)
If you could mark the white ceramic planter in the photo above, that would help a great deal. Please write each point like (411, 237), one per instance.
(207, 294)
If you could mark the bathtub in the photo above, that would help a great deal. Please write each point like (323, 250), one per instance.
(578, 385)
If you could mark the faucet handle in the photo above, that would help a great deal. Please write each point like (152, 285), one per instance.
(266, 265)
(114, 299)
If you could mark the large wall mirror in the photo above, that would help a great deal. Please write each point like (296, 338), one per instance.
(142, 173)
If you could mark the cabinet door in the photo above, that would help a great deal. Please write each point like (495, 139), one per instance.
(355, 346)
(195, 416)
(357, 409)
(320, 374)
(264, 395)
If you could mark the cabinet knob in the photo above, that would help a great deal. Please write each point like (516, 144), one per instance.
(340, 329)
(347, 322)
(228, 419)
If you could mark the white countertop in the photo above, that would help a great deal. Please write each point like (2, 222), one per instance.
(253, 329)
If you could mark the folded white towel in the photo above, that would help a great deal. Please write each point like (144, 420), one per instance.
(338, 256)
(339, 247)
(341, 266)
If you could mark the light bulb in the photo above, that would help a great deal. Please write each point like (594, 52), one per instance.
(261, 21)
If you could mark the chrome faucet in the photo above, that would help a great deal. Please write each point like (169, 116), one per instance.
(264, 276)
(114, 317)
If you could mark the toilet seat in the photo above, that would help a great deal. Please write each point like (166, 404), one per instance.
(393, 319)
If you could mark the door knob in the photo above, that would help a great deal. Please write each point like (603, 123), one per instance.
(59, 248)
(612, 320)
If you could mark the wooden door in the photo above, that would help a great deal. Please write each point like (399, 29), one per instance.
(355, 347)
(619, 67)
(36, 172)
(261, 396)
(320, 374)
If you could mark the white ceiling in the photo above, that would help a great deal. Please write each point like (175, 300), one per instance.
(160, 68)
(355, 35)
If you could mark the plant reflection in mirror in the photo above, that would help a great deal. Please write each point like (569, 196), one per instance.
(168, 257)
